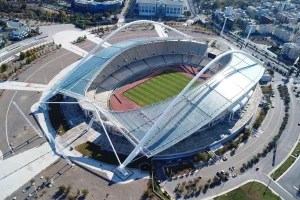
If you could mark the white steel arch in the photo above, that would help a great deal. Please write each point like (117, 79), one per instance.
(84, 59)
(136, 150)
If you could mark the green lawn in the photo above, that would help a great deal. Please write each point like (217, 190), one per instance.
(250, 191)
(296, 151)
(159, 88)
(283, 168)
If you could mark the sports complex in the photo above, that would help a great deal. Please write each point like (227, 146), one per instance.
(161, 97)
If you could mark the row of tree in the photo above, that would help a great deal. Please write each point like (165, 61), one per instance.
(67, 190)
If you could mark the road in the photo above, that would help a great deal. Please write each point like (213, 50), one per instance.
(291, 180)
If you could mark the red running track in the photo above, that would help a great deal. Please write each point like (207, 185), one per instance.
(119, 102)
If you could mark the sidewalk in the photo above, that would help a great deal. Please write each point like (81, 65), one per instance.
(13, 85)
(19, 169)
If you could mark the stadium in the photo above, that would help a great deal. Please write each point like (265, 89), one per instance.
(162, 97)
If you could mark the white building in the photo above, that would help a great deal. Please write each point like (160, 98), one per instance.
(265, 29)
(262, 11)
(228, 11)
(291, 50)
(147, 8)
(167, 8)
(282, 34)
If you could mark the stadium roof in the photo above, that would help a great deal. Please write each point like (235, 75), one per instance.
(199, 106)
(78, 80)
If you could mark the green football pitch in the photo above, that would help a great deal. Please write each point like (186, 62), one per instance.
(158, 88)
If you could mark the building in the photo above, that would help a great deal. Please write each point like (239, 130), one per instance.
(165, 8)
(286, 17)
(282, 6)
(228, 11)
(261, 11)
(266, 19)
(265, 29)
(266, 77)
(251, 9)
(153, 131)
(290, 50)
(283, 34)
(267, 5)
(93, 6)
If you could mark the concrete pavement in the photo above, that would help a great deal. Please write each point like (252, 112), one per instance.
(13, 85)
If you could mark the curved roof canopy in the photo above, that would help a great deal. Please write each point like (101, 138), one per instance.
(78, 80)
(198, 107)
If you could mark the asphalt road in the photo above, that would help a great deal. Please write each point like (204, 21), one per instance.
(18, 133)
(289, 136)
(291, 180)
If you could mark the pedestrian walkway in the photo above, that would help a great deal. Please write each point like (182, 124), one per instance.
(19, 169)
(97, 40)
(160, 31)
(13, 85)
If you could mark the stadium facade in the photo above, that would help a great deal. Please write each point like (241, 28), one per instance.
(157, 128)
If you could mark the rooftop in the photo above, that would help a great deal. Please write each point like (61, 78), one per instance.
(169, 2)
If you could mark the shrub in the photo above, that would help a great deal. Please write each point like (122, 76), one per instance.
(69, 188)
(62, 188)
(85, 192)
(4, 67)
(22, 56)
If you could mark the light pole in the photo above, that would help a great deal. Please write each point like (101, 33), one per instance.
(246, 41)
(221, 35)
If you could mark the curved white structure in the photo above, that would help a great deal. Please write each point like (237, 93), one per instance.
(155, 128)
(136, 150)
(84, 59)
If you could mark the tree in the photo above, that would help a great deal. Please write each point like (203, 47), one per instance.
(62, 188)
(187, 13)
(69, 188)
(4, 67)
(28, 60)
(71, 197)
(167, 171)
(22, 56)
(202, 156)
(216, 179)
(85, 192)
(106, 14)
(4, 39)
